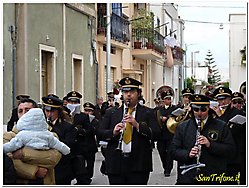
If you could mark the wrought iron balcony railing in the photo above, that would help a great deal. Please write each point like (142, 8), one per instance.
(178, 53)
(148, 39)
(119, 27)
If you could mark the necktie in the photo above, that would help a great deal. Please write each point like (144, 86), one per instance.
(202, 124)
(128, 129)
(222, 111)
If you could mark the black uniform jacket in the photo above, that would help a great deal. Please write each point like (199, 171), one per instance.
(214, 157)
(86, 134)
(238, 133)
(67, 134)
(165, 134)
(141, 150)
(98, 112)
(230, 113)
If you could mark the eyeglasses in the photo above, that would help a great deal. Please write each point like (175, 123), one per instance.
(237, 102)
(202, 109)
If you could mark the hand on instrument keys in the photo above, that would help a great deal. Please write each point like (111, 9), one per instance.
(203, 141)
(163, 118)
(193, 152)
(117, 129)
(130, 119)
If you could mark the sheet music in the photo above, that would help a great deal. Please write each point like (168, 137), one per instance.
(238, 119)
(178, 112)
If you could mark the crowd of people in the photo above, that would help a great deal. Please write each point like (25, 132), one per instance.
(56, 142)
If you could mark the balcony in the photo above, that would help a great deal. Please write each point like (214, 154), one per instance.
(147, 44)
(120, 34)
(177, 53)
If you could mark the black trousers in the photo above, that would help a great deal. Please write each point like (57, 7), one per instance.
(232, 171)
(79, 169)
(90, 159)
(166, 159)
(128, 177)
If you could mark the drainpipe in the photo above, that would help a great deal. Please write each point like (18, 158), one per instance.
(93, 43)
(64, 49)
(91, 25)
(108, 49)
(12, 30)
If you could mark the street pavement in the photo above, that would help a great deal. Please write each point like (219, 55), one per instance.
(156, 177)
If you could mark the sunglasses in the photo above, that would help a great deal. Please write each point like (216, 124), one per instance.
(237, 102)
(202, 109)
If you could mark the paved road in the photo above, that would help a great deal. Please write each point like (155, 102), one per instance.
(156, 177)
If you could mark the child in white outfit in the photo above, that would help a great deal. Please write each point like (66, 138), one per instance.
(33, 133)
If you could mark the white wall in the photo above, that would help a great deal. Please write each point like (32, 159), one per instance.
(237, 40)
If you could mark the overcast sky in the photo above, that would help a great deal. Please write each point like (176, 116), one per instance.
(208, 36)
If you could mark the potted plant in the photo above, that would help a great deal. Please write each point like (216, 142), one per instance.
(150, 37)
(142, 25)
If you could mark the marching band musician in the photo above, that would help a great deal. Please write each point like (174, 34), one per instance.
(215, 141)
(224, 110)
(226, 113)
(109, 103)
(84, 130)
(91, 142)
(186, 93)
(240, 136)
(53, 109)
(166, 136)
(237, 100)
(186, 97)
(133, 164)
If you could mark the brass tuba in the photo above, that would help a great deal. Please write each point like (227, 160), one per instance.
(174, 121)
(242, 89)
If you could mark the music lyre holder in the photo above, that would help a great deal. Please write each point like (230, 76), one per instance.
(190, 167)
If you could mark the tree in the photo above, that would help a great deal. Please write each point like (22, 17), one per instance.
(191, 82)
(213, 73)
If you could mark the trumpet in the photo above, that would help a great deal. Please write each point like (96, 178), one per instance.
(119, 147)
(198, 165)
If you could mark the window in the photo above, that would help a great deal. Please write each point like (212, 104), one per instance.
(141, 6)
(117, 8)
(113, 49)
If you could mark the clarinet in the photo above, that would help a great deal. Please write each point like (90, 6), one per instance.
(119, 148)
(198, 165)
(198, 133)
